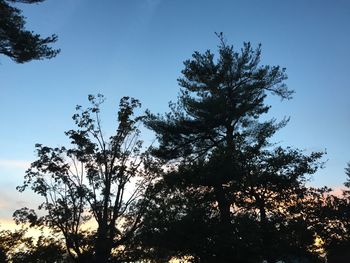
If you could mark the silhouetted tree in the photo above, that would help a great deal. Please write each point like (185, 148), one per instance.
(12, 241)
(219, 154)
(18, 247)
(18, 43)
(347, 172)
(43, 250)
(335, 227)
(272, 193)
(97, 180)
(217, 112)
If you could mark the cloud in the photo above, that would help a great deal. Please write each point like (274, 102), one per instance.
(11, 200)
(153, 3)
(3, 204)
(9, 224)
(338, 191)
(151, 7)
(22, 164)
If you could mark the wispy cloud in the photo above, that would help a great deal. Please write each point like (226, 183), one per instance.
(11, 200)
(337, 191)
(153, 3)
(14, 163)
(3, 204)
(151, 7)
(9, 224)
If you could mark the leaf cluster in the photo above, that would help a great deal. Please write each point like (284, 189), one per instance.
(18, 43)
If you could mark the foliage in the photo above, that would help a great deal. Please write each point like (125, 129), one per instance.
(227, 178)
(96, 180)
(334, 220)
(214, 188)
(347, 172)
(18, 43)
(18, 247)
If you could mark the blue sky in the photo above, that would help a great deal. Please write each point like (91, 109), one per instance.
(137, 48)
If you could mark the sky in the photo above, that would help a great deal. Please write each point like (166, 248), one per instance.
(137, 48)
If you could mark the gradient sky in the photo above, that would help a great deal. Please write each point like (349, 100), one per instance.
(137, 47)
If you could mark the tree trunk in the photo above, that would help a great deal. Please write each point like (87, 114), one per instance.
(266, 239)
(223, 203)
(102, 247)
(223, 241)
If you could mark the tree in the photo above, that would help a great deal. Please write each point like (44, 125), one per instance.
(10, 242)
(335, 224)
(18, 43)
(96, 180)
(347, 172)
(217, 108)
(218, 149)
(18, 247)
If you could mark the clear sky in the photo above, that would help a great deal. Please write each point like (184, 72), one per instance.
(137, 48)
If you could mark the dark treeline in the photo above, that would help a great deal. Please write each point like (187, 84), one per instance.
(213, 188)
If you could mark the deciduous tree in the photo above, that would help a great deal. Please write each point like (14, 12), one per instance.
(97, 180)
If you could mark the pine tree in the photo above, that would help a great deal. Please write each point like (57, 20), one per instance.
(217, 111)
(219, 153)
(18, 43)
